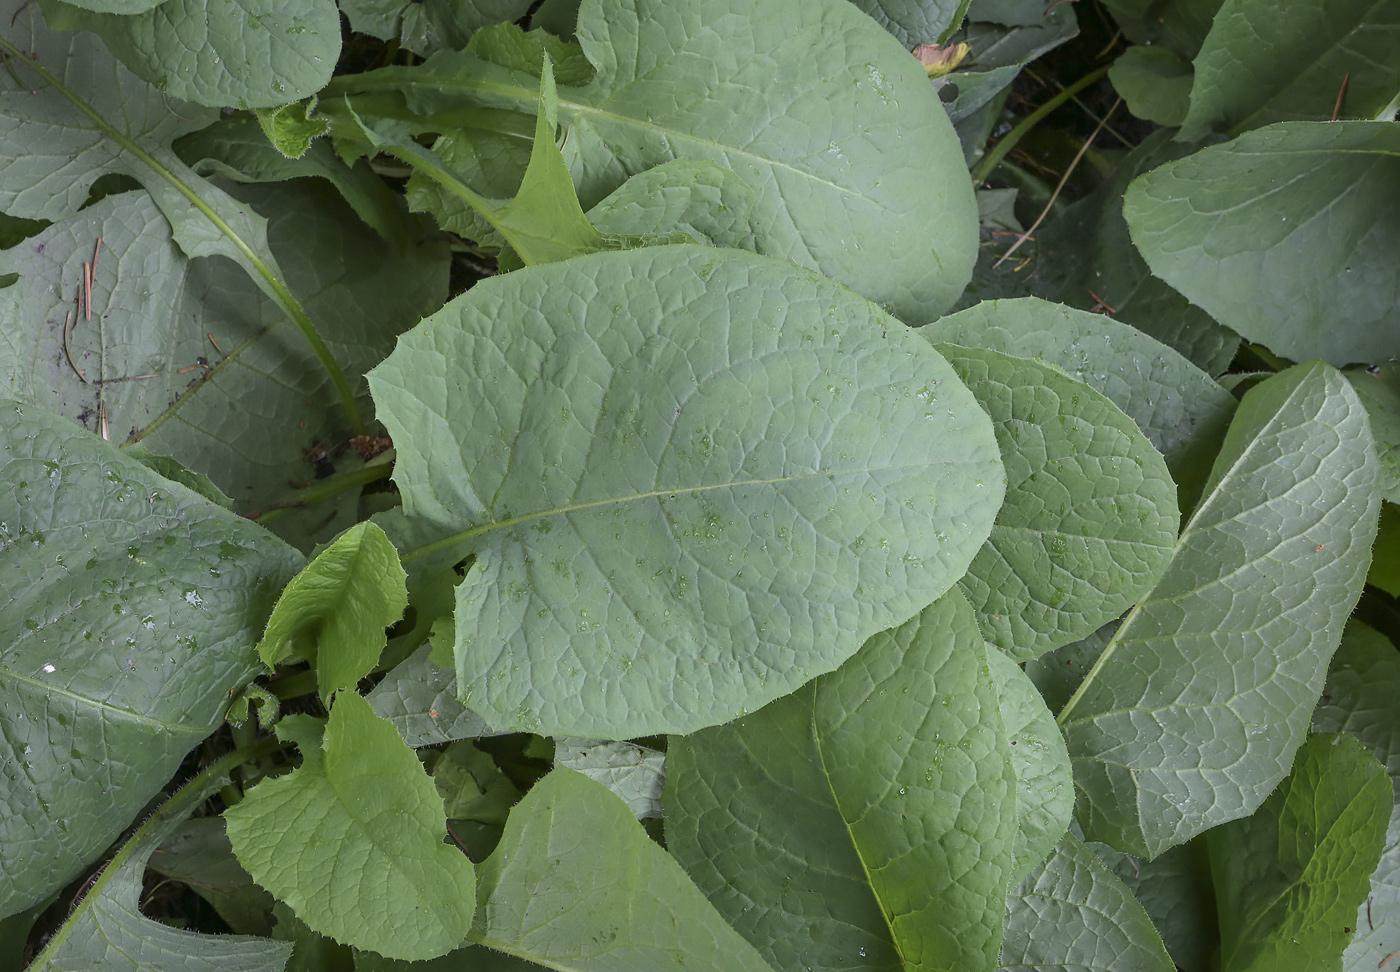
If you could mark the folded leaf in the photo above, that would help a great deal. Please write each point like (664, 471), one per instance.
(1181, 410)
(577, 884)
(1362, 687)
(855, 167)
(710, 469)
(1236, 228)
(335, 611)
(353, 841)
(1072, 913)
(1289, 879)
(1090, 513)
(1044, 781)
(1192, 713)
(865, 821)
(124, 635)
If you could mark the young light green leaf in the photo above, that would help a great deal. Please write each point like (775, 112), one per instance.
(335, 611)
(1072, 913)
(420, 699)
(1191, 715)
(709, 202)
(856, 169)
(577, 884)
(635, 773)
(1044, 781)
(1235, 228)
(353, 841)
(124, 635)
(1264, 63)
(239, 53)
(1362, 687)
(742, 485)
(1181, 410)
(291, 128)
(1155, 82)
(70, 113)
(1379, 391)
(866, 821)
(1289, 878)
(1090, 513)
(106, 931)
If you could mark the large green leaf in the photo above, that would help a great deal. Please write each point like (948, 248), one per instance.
(855, 166)
(706, 200)
(1282, 233)
(239, 53)
(1289, 878)
(1360, 698)
(1072, 913)
(1044, 780)
(691, 478)
(353, 840)
(866, 821)
(130, 609)
(577, 885)
(1192, 713)
(1181, 410)
(1265, 62)
(1379, 391)
(248, 419)
(1090, 513)
(106, 931)
(336, 610)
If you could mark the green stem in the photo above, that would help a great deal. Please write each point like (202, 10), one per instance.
(180, 805)
(279, 290)
(327, 488)
(293, 686)
(1003, 147)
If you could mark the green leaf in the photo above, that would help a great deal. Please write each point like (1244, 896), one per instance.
(1379, 391)
(1155, 82)
(430, 25)
(1090, 263)
(577, 884)
(1263, 62)
(856, 169)
(1176, 892)
(915, 22)
(867, 820)
(1058, 673)
(238, 53)
(1072, 913)
(1385, 554)
(1178, 25)
(1176, 405)
(197, 853)
(106, 932)
(1090, 514)
(511, 47)
(742, 484)
(1236, 228)
(1044, 781)
(335, 611)
(420, 699)
(1362, 687)
(291, 128)
(178, 473)
(353, 841)
(310, 952)
(635, 773)
(702, 199)
(125, 634)
(1289, 879)
(1005, 36)
(1191, 715)
(471, 785)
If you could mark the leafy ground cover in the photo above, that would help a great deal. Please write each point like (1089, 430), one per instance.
(624, 484)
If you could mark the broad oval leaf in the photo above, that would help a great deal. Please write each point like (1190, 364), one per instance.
(855, 166)
(1180, 408)
(576, 884)
(124, 634)
(1192, 713)
(1090, 513)
(692, 479)
(1362, 687)
(1290, 878)
(353, 841)
(1044, 780)
(1070, 912)
(1283, 233)
(235, 53)
(866, 821)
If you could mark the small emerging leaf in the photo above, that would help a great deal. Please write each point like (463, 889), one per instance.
(291, 128)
